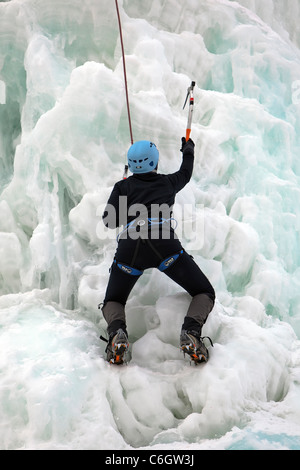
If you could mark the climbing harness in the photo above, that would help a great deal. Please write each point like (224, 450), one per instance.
(144, 225)
(163, 266)
(190, 94)
(126, 87)
(164, 263)
(128, 269)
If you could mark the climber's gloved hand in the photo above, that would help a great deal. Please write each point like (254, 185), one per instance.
(186, 145)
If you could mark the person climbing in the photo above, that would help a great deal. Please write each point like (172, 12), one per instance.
(149, 241)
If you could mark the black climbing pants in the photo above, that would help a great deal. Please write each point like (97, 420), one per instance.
(133, 257)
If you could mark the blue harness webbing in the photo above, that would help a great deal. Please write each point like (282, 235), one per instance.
(163, 266)
(128, 269)
(166, 263)
(154, 221)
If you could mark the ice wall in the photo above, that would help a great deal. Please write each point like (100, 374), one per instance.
(281, 16)
(63, 141)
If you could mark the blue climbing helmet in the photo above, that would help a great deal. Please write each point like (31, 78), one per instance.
(142, 157)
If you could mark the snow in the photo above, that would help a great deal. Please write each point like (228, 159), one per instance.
(63, 142)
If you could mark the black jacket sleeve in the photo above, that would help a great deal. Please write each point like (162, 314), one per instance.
(111, 213)
(181, 177)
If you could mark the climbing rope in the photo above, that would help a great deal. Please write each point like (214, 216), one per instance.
(125, 81)
(190, 94)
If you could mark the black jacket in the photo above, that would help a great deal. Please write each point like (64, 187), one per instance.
(148, 189)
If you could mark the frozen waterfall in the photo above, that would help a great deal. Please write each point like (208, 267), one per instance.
(63, 144)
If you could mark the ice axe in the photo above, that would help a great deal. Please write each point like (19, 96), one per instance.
(190, 94)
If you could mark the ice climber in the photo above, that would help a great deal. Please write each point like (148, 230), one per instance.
(143, 204)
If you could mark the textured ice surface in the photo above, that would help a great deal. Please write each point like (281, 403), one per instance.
(63, 141)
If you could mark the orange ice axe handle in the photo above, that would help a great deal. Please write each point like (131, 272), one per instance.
(190, 96)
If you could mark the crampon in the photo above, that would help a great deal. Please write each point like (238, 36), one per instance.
(117, 347)
(193, 345)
